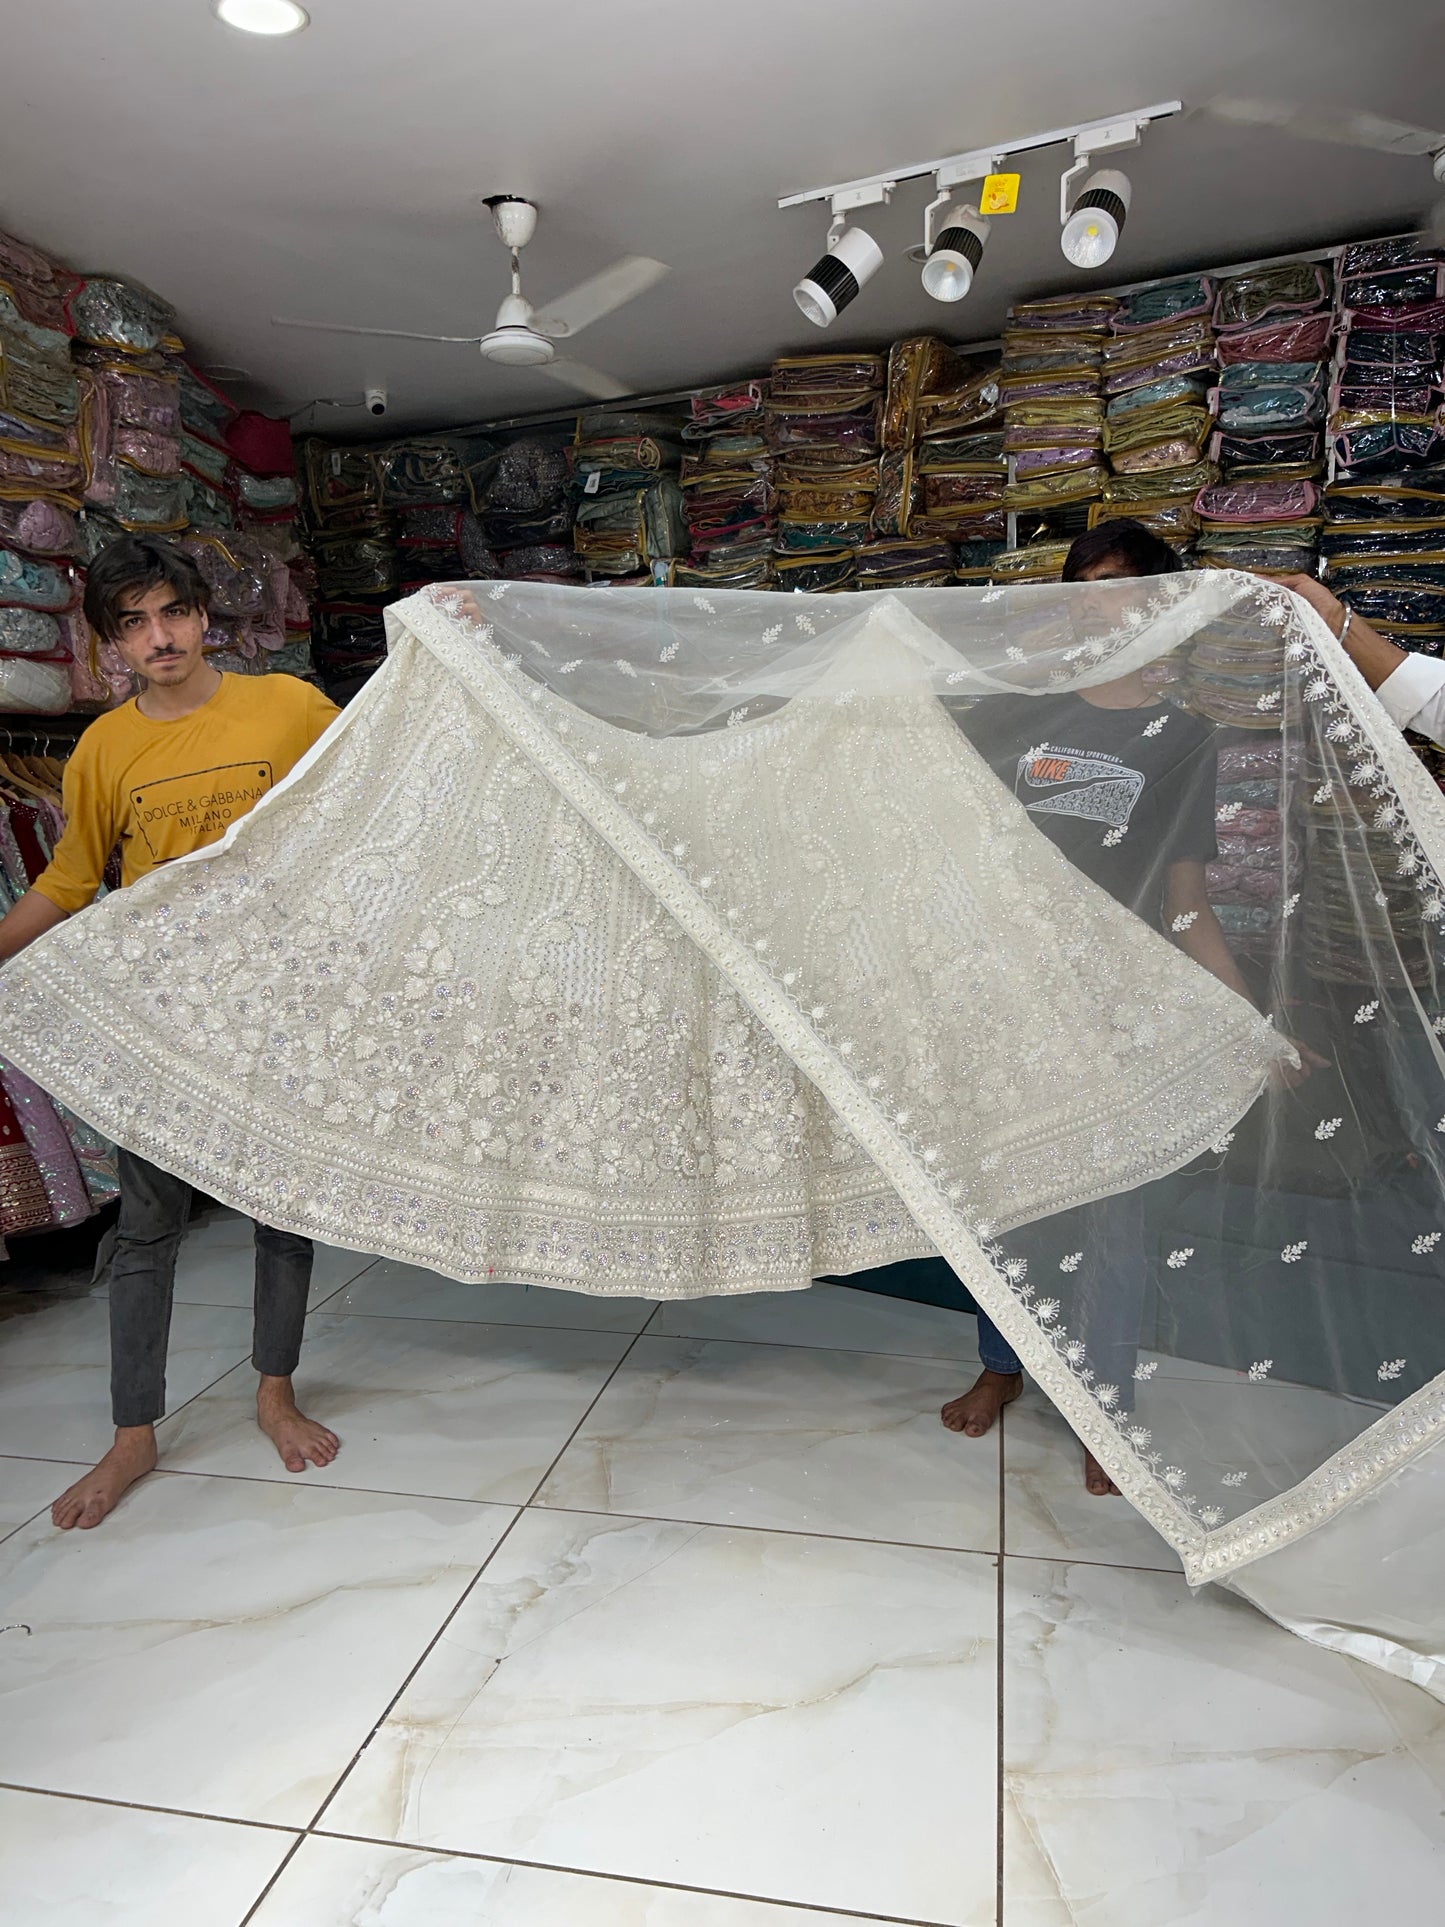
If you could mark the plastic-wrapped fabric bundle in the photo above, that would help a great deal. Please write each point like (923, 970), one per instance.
(542, 562)
(27, 582)
(622, 533)
(1278, 548)
(1073, 313)
(422, 469)
(34, 285)
(116, 314)
(36, 376)
(205, 507)
(1178, 481)
(205, 409)
(353, 565)
(1174, 517)
(919, 367)
(820, 573)
(1167, 301)
(268, 494)
(1295, 287)
(735, 408)
(1034, 562)
(30, 688)
(904, 564)
(1244, 504)
(1254, 410)
(1304, 339)
(1366, 441)
(1237, 454)
(29, 632)
(1190, 390)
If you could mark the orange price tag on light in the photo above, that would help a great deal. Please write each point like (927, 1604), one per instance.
(1000, 194)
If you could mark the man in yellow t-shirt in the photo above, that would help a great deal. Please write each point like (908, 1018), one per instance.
(166, 774)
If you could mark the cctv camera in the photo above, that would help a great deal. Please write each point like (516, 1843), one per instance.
(376, 400)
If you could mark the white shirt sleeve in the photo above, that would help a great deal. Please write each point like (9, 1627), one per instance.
(1414, 695)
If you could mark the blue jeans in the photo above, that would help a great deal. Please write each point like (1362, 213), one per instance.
(1103, 1292)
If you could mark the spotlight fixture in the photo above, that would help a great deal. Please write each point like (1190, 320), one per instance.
(954, 256)
(1091, 231)
(853, 257)
(271, 17)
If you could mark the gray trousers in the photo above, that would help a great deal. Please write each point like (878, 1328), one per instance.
(140, 1263)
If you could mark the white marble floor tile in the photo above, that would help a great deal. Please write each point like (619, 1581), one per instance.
(55, 1372)
(1048, 1511)
(764, 1435)
(75, 1863)
(792, 1718)
(352, 1883)
(455, 1410)
(26, 1487)
(1174, 1761)
(216, 1265)
(392, 1290)
(836, 1317)
(222, 1645)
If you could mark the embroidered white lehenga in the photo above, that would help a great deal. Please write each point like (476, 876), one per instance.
(641, 943)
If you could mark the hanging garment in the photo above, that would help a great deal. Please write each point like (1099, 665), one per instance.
(683, 943)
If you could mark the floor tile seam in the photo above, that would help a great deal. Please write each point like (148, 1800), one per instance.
(461, 1600)
(300, 1834)
(1106, 1565)
(155, 1806)
(742, 1525)
(644, 1331)
(629, 1879)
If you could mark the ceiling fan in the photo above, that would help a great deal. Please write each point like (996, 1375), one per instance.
(523, 337)
(1345, 128)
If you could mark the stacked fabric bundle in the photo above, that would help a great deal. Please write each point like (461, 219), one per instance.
(728, 489)
(1274, 328)
(42, 481)
(824, 424)
(1158, 367)
(1234, 674)
(525, 515)
(1051, 389)
(351, 536)
(1384, 541)
(1244, 880)
(630, 512)
(942, 472)
(426, 483)
(249, 597)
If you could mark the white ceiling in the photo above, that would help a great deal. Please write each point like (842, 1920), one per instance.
(339, 175)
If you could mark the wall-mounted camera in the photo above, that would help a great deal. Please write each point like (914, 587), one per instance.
(376, 401)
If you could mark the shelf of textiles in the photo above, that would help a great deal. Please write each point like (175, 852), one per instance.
(1384, 506)
(106, 429)
(54, 1170)
(728, 493)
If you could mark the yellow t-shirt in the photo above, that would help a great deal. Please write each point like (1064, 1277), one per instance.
(163, 789)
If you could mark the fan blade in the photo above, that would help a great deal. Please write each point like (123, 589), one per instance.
(1343, 128)
(586, 381)
(570, 313)
(392, 334)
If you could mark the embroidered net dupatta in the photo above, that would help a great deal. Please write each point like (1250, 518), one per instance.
(647, 942)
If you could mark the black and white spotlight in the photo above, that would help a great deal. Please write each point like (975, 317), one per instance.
(1091, 231)
(953, 257)
(853, 257)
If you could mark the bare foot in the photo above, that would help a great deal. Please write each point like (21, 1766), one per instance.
(297, 1438)
(86, 1503)
(1097, 1479)
(975, 1412)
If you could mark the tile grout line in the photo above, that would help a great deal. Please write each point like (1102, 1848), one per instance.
(430, 1646)
(461, 1853)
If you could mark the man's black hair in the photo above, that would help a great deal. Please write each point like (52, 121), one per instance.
(134, 565)
(1125, 542)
